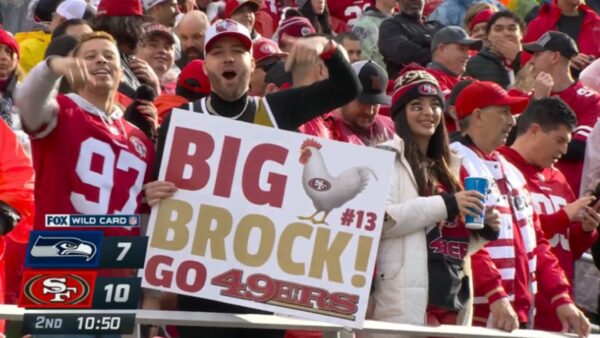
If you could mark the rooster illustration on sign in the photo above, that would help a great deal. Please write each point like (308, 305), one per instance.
(326, 191)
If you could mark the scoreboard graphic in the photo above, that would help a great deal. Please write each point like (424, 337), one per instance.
(82, 269)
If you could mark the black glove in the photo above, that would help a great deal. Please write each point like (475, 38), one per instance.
(9, 217)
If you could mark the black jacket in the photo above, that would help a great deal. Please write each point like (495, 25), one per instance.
(488, 66)
(404, 39)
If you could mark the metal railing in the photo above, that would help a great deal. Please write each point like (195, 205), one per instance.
(209, 319)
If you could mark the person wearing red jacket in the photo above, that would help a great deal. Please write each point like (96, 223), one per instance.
(16, 213)
(575, 19)
(543, 133)
(508, 270)
(551, 62)
(450, 52)
(359, 122)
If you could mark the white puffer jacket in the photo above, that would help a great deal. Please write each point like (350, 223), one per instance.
(401, 280)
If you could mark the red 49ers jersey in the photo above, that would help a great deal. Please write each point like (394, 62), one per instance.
(347, 10)
(585, 102)
(87, 163)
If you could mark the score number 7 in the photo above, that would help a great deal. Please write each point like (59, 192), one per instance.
(124, 246)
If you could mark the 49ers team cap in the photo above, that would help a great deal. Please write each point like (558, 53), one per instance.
(482, 94)
(263, 48)
(224, 28)
(374, 81)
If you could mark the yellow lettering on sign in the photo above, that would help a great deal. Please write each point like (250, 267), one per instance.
(216, 237)
(242, 239)
(328, 256)
(172, 218)
(286, 244)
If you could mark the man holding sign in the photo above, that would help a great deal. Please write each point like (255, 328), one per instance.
(228, 64)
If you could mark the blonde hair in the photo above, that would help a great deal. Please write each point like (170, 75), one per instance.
(93, 36)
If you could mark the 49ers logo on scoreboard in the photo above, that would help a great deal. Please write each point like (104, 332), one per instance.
(55, 289)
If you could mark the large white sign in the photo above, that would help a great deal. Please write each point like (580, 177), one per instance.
(268, 219)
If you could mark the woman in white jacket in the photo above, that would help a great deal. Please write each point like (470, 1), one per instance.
(420, 275)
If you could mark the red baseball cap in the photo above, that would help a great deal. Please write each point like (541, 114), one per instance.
(482, 94)
(119, 8)
(8, 40)
(233, 5)
(225, 28)
(193, 79)
(263, 48)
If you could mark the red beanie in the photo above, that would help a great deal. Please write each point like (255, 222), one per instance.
(119, 8)
(9, 41)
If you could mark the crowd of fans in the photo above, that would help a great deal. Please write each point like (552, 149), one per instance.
(505, 90)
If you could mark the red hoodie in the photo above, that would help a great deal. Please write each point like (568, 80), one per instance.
(548, 16)
(550, 192)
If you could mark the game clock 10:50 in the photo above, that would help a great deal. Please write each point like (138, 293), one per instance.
(81, 323)
(93, 323)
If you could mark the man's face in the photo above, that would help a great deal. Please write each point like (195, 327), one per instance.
(101, 58)
(505, 29)
(166, 12)
(454, 56)
(8, 62)
(158, 51)
(353, 48)
(78, 30)
(412, 7)
(547, 147)
(542, 62)
(498, 122)
(359, 115)
(245, 16)
(228, 65)
(191, 35)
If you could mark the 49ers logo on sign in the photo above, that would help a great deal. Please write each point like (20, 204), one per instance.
(54, 289)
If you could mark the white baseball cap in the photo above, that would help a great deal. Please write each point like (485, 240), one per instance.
(227, 27)
(72, 9)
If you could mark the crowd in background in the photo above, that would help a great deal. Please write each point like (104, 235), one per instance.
(505, 90)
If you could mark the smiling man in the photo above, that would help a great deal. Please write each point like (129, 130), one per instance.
(157, 48)
(450, 52)
(71, 132)
(543, 133)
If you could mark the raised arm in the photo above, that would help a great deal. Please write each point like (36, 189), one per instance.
(294, 107)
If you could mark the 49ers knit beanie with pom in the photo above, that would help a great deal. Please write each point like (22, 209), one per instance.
(414, 81)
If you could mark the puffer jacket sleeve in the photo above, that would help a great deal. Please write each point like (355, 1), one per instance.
(16, 181)
(406, 211)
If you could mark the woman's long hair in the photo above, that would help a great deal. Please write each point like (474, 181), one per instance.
(319, 21)
(433, 167)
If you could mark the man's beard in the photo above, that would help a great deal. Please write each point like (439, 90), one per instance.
(185, 58)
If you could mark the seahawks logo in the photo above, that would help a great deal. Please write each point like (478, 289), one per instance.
(63, 246)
